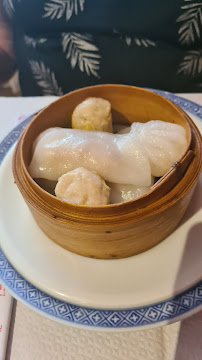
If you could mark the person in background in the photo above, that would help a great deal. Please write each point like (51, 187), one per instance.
(62, 45)
(7, 57)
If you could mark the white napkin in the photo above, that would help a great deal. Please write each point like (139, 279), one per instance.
(37, 337)
(6, 302)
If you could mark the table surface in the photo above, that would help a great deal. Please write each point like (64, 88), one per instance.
(33, 336)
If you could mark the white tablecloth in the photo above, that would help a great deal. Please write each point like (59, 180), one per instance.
(33, 336)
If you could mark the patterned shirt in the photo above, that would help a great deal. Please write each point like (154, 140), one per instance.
(62, 45)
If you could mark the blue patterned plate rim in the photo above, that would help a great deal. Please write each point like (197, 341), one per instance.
(157, 314)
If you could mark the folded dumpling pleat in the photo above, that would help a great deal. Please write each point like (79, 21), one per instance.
(164, 143)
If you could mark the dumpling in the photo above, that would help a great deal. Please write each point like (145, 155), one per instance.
(82, 187)
(163, 142)
(93, 114)
(124, 192)
(131, 158)
(115, 158)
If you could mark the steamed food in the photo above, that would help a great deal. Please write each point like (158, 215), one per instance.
(148, 149)
(163, 142)
(83, 158)
(82, 187)
(125, 192)
(115, 158)
(93, 114)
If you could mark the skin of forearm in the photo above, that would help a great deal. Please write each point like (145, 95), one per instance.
(6, 35)
(7, 57)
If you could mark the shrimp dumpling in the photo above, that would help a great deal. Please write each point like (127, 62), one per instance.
(124, 192)
(82, 187)
(115, 158)
(93, 114)
(164, 143)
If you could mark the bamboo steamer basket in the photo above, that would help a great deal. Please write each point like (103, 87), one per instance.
(118, 230)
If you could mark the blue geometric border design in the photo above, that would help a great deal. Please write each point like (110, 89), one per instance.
(108, 319)
(185, 104)
(125, 318)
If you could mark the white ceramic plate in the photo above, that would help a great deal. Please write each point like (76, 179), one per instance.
(130, 292)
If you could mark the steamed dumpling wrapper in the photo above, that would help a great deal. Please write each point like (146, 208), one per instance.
(163, 142)
(124, 192)
(115, 158)
(131, 158)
